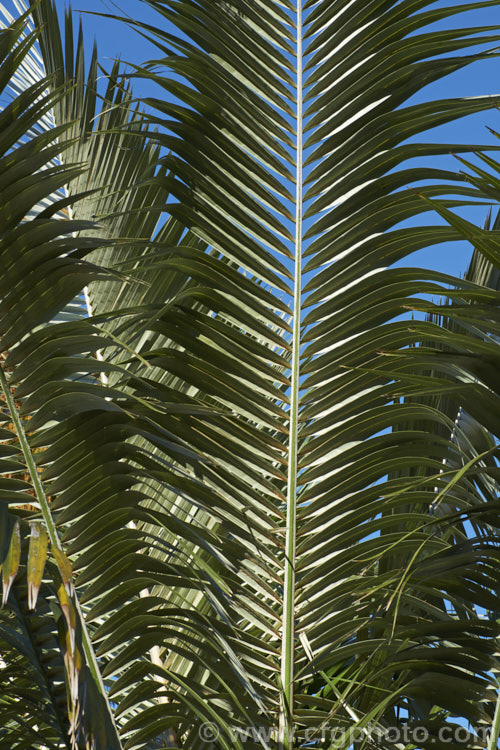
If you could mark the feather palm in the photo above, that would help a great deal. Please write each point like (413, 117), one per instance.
(277, 527)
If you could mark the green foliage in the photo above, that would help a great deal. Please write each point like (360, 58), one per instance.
(244, 500)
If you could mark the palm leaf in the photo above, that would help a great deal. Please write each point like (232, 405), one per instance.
(86, 397)
(39, 252)
(239, 487)
(333, 492)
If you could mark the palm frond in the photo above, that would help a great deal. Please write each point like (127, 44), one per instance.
(260, 480)
(359, 70)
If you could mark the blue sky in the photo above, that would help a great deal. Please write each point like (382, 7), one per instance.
(117, 40)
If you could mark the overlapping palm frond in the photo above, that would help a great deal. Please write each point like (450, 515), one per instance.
(248, 454)
(138, 524)
(43, 268)
(184, 288)
(350, 530)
